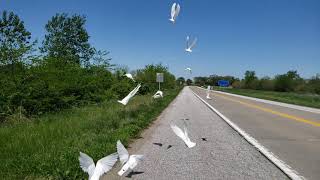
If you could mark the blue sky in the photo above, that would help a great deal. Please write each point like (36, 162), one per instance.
(268, 36)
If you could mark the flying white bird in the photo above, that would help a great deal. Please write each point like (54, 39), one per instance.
(127, 162)
(190, 44)
(188, 69)
(208, 93)
(158, 94)
(129, 76)
(183, 135)
(103, 165)
(175, 9)
(125, 100)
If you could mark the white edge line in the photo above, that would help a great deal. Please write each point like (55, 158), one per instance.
(292, 106)
(273, 158)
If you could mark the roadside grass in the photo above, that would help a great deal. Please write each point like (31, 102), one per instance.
(310, 100)
(48, 147)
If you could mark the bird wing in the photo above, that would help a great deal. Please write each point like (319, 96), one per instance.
(129, 76)
(86, 163)
(123, 153)
(185, 130)
(138, 157)
(173, 10)
(193, 43)
(156, 94)
(176, 11)
(135, 90)
(178, 132)
(105, 164)
(126, 99)
(187, 41)
(160, 93)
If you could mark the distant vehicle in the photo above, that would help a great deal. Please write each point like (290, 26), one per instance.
(223, 83)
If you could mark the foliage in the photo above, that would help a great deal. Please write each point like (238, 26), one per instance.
(189, 82)
(250, 79)
(67, 39)
(14, 41)
(288, 82)
(148, 77)
(181, 81)
(100, 59)
(71, 74)
(314, 84)
(37, 143)
(48, 147)
(200, 81)
(212, 80)
(237, 84)
(266, 83)
(311, 100)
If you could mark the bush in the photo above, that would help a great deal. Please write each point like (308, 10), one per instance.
(313, 84)
(287, 82)
(53, 85)
(148, 77)
(266, 83)
(50, 87)
(72, 73)
(237, 84)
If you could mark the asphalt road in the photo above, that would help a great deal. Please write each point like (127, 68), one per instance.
(292, 135)
(225, 154)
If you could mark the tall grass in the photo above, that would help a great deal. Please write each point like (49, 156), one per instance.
(310, 100)
(48, 147)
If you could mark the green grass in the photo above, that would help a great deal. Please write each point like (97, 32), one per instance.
(310, 100)
(48, 147)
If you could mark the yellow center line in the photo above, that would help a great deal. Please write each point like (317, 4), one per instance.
(291, 117)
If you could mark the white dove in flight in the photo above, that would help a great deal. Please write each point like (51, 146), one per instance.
(129, 76)
(127, 162)
(158, 94)
(175, 9)
(183, 135)
(103, 165)
(190, 44)
(188, 69)
(208, 92)
(125, 100)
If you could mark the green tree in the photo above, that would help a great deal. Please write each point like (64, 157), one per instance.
(288, 82)
(148, 75)
(266, 83)
(250, 79)
(181, 81)
(314, 84)
(14, 39)
(15, 46)
(189, 82)
(100, 59)
(68, 39)
(200, 81)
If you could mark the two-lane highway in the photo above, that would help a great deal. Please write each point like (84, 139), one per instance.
(292, 135)
(224, 155)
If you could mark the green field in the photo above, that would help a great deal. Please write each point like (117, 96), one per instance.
(310, 100)
(48, 147)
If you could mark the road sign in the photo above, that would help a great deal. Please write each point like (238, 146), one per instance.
(159, 77)
(223, 83)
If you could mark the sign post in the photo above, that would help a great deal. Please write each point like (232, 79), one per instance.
(159, 79)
